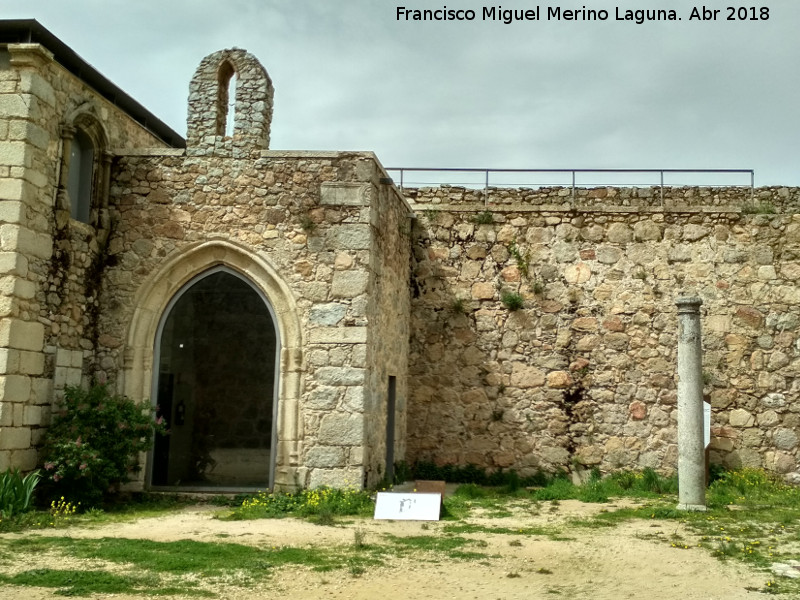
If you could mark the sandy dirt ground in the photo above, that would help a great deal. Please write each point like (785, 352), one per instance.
(632, 560)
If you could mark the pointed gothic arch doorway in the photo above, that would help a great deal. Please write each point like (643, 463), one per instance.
(216, 385)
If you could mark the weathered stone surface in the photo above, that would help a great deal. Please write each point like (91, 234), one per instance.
(608, 255)
(483, 291)
(349, 284)
(619, 233)
(527, 377)
(340, 376)
(785, 439)
(559, 379)
(578, 273)
(637, 410)
(349, 237)
(774, 400)
(587, 324)
(325, 457)
(741, 418)
(323, 398)
(328, 314)
(341, 430)
(750, 316)
(644, 231)
(692, 232)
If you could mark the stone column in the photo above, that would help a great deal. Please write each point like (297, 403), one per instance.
(691, 450)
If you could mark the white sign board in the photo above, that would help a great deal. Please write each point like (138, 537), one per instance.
(408, 506)
(706, 423)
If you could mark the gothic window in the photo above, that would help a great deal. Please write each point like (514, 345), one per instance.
(80, 181)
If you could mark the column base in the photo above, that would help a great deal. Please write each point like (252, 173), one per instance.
(692, 507)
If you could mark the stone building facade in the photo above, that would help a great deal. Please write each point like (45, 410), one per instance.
(299, 320)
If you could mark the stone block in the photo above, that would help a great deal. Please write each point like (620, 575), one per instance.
(585, 324)
(42, 390)
(5, 460)
(578, 273)
(338, 335)
(339, 429)
(74, 377)
(349, 284)
(6, 414)
(619, 233)
(559, 379)
(323, 398)
(768, 418)
(785, 439)
(327, 314)
(11, 210)
(741, 418)
(13, 105)
(749, 316)
(349, 236)
(608, 255)
(347, 478)
(9, 361)
(340, 376)
(15, 388)
(17, 287)
(15, 438)
(21, 335)
(354, 399)
(344, 194)
(644, 231)
(482, 290)
(523, 376)
(13, 154)
(774, 400)
(27, 131)
(13, 263)
(15, 238)
(32, 415)
(692, 232)
(325, 457)
(24, 460)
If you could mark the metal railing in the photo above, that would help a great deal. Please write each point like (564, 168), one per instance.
(573, 182)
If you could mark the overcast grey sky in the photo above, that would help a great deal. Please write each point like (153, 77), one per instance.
(536, 94)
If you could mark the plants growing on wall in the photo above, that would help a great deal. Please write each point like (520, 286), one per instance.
(511, 300)
(94, 442)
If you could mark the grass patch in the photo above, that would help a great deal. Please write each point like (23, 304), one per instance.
(553, 533)
(86, 583)
(320, 505)
(173, 565)
(450, 545)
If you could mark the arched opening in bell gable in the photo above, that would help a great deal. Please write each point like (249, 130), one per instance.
(226, 99)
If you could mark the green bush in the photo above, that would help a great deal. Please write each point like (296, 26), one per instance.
(16, 492)
(94, 442)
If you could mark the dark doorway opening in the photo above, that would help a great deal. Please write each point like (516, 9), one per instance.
(216, 387)
(390, 418)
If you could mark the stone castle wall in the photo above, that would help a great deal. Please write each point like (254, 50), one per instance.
(584, 372)
(43, 296)
(313, 217)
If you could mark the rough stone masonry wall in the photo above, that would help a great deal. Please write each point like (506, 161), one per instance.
(584, 373)
(306, 214)
(41, 332)
(388, 336)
